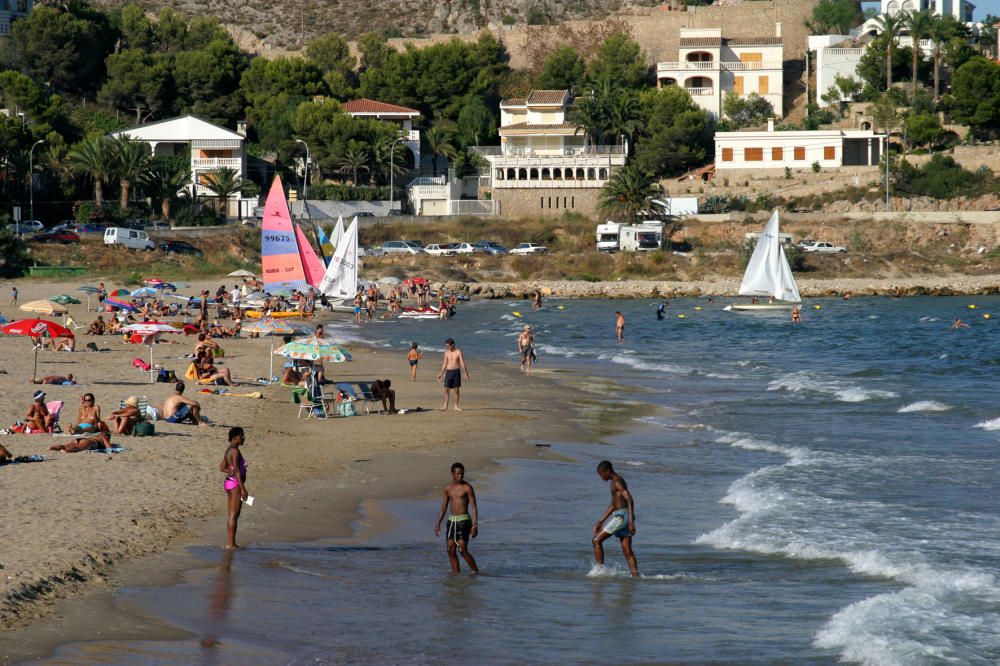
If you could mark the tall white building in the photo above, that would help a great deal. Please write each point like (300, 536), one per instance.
(710, 66)
(960, 9)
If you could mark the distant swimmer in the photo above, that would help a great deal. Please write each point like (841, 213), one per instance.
(463, 521)
(896, 293)
(537, 305)
(661, 310)
(796, 315)
(958, 323)
(618, 520)
(847, 295)
(620, 325)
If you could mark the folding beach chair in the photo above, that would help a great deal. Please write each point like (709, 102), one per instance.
(315, 402)
(54, 407)
(371, 402)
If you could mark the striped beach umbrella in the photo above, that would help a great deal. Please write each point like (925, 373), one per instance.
(271, 327)
(121, 305)
(150, 330)
(44, 306)
(120, 293)
(65, 299)
(314, 349)
(144, 292)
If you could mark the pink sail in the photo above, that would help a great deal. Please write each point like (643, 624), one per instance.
(280, 258)
(311, 263)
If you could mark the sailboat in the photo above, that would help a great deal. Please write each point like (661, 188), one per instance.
(288, 260)
(768, 274)
(340, 282)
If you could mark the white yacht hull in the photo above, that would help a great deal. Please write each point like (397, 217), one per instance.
(759, 307)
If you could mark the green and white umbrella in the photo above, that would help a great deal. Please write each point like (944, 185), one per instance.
(270, 327)
(64, 299)
(314, 349)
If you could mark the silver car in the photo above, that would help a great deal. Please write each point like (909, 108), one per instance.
(401, 247)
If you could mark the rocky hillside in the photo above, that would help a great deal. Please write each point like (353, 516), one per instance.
(287, 25)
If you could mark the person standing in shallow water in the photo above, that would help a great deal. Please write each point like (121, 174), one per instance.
(618, 520)
(463, 522)
(235, 468)
(619, 325)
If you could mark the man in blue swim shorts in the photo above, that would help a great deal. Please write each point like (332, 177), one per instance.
(178, 409)
(618, 520)
(451, 373)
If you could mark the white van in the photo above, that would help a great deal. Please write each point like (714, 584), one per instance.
(130, 238)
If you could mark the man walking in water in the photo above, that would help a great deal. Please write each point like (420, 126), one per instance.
(526, 347)
(463, 523)
(618, 520)
(451, 372)
(620, 325)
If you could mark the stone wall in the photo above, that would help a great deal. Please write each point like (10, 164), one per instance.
(545, 202)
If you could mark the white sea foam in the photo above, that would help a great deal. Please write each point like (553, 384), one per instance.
(856, 394)
(639, 364)
(992, 424)
(806, 381)
(558, 351)
(924, 406)
(634, 463)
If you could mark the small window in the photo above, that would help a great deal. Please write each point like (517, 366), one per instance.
(572, 202)
(727, 154)
(753, 154)
(541, 202)
(777, 154)
(800, 153)
(829, 153)
(762, 85)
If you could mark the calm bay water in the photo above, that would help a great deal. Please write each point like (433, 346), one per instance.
(818, 493)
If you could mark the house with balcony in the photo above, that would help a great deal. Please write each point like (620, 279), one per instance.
(12, 10)
(756, 151)
(545, 164)
(401, 116)
(208, 147)
(710, 66)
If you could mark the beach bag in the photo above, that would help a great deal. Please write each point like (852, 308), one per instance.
(166, 376)
(346, 408)
(143, 429)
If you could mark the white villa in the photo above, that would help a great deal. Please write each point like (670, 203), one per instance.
(401, 116)
(208, 146)
(544, 162)
(12, 10)
(770, 149)
(710, 66)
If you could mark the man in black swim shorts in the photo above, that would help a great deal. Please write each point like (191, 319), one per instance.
(451, 372)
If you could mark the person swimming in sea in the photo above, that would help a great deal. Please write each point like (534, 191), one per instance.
(463, 521)
(661, 310)
(618, 519)
(235, 467)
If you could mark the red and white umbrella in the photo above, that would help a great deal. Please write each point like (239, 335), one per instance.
(150, 330)
(36, 328)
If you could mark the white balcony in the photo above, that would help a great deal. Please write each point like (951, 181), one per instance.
(412, 135)
(688, 66)
(217, 163)
(700, 91)
(663, 68)
(576, 151)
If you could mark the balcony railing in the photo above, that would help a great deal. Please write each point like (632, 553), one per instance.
(217, 163)
(412, 135)
(581, 151)
(729, 66)
(700, 91)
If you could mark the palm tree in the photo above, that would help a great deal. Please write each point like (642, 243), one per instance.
(353, 160)
(623, 116)
(889, 25)
(919, 26)
(942, 30)
(439, 144)
(628, 192)
(588, 116)
(131, 158)
(383, 153)
(94, 158)
(223, 183)
(164, 179)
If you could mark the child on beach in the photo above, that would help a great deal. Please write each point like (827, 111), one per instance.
(414, 358)
(235, 468)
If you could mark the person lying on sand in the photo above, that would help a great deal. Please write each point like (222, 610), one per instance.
(126, 417)
(38, 418)
(96, 442)
(88, 418)
(97, 327)
(56, 379)
(178, 409)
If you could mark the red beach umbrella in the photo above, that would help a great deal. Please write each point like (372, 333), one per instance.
(36, 328)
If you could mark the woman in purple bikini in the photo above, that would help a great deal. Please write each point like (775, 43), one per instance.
(235, 468)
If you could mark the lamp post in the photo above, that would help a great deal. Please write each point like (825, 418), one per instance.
(31, 176)
(392, 170)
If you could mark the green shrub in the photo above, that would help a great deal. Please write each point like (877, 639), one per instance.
(941, 178)
(13, 254)
(815, 167)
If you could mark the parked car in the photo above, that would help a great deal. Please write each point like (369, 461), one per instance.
(820, 246)
(490, 247)
(158, 225)
(180, 247)
(530, 248)
(66, 225)
(464, 248)
(401, 247)
(373, 251)
(364, 213)
(440, 250)
(26, 227)
(64, 237)
(418, 243)
(130, 238)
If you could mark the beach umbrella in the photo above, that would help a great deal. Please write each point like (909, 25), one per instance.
(150, 330)
(121, 305)
(45, 307)
(89, 290)
(270, 327)
(64, 299)
(144, 292)
(314, 349)
(241, 273)
(120, 293)
(36, 328)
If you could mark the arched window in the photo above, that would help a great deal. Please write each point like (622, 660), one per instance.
(533, 174)
(522, 174)
(699, 56)
(591, 173)
(546, 175)
(603, 174)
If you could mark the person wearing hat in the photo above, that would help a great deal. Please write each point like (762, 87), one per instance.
(38, 418)
(526, 345)
(125, 418)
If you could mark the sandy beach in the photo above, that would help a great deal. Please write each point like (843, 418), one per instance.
(70, 519)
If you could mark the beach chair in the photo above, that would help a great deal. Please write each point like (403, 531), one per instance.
(71, 323)
(142, 407)
(314, 404)
(54, 407)
(370, 401)
(346, 397)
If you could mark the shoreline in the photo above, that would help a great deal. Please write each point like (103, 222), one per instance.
(320, 487)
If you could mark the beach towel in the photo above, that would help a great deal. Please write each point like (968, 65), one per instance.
(24, 459)
(191, 373)
(113, 449)
(252, 394)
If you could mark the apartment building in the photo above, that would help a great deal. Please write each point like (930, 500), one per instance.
(771, 149)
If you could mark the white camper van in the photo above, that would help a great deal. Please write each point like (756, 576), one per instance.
(644, 237)
(130, 238)
(607, 236)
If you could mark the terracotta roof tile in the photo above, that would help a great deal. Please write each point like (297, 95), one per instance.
(514, 101)
(547, 96)
(364, 105)
(538, 126)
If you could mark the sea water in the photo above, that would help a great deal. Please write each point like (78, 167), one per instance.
(809, 493)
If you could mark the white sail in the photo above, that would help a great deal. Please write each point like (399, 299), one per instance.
(338, 233)
(341, 278)
(768, 273)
